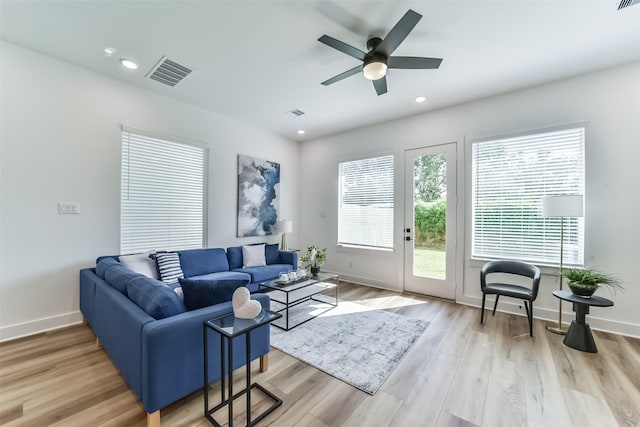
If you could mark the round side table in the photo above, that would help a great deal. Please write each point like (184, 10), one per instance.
(579, 335)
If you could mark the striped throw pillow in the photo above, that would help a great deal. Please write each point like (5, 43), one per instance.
(169, 267)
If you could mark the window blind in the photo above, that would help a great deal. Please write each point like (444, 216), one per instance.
(510, 176)
(365, 211)
(163, 194)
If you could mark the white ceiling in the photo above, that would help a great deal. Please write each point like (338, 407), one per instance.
(256, 60)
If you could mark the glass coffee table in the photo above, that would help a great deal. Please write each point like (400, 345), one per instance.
(293, 293)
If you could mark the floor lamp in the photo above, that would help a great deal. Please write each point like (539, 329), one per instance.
(284, 227)
(561, 206)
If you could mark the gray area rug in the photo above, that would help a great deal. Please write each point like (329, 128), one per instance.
(354, 343)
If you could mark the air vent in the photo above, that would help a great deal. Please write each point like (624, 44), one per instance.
(296, 112)
(168, 72)
(627, 3)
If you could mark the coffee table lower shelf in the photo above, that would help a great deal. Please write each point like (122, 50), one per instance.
(298, 293)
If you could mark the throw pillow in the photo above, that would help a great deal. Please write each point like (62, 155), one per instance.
(169, 267)
(272, 253)
(203, 293)
(140, 263)
(253, 256)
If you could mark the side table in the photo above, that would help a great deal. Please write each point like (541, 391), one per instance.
(579, 335)
(230, 327)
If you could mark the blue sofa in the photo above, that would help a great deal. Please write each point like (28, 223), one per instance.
(155, 343)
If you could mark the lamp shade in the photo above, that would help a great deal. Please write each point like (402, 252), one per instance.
(284, 226)
(565, 206)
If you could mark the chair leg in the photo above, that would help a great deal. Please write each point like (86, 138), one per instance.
(484, 296)
(495, 305)
(531, 318)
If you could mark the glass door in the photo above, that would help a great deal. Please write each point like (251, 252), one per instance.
(430, 221)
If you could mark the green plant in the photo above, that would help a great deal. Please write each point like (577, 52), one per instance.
(431, 221)
(315, 257)
(590, 279)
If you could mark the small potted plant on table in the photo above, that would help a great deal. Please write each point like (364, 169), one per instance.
(584, 282)
(314, 258)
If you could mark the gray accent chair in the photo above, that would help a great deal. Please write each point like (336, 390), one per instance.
(527, 294)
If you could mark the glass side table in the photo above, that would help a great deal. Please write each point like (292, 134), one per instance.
(230, 327)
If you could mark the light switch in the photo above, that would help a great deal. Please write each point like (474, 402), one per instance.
(68, 208)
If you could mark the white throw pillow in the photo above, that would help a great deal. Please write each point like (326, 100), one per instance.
(253, 256)
(140, 263)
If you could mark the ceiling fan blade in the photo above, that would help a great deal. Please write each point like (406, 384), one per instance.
(380, 85)
(341, 76)
(399, 32)
(342, 47)
(412, 62)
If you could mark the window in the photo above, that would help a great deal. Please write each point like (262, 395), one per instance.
(163, 194)
(510, 176)
(365, 210)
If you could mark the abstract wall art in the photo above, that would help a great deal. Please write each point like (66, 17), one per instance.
(258, 196)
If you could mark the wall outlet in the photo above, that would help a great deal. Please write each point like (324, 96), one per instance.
(68, 208)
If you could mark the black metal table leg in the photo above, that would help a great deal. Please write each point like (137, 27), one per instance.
(206, 369)
(230, 373)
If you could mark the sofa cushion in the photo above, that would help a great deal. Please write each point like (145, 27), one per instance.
(224, 275)
(264, 273)
(103, 264)
(200, 293)
(196, 262)
(253, 256)
(140, 263)
(118, 276)
(169, 267)
(272, 253)
(154, 297)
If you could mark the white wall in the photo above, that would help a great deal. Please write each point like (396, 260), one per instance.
(608, 102)
(61, 143)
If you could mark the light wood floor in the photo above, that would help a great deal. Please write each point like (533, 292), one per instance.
(459, 373)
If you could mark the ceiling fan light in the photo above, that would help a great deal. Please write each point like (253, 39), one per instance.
(375, 70)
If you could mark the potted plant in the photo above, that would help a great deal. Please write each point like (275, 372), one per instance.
(584, 282)
(314, 258)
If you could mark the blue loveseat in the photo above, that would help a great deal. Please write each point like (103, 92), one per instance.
(155, 343)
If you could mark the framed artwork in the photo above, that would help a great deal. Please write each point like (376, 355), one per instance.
(258, 198)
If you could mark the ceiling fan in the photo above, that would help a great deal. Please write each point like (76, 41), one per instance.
(378, 58)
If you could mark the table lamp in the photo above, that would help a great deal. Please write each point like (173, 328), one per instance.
(284, 227)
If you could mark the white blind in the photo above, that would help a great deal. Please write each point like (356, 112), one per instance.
(365, 211)
(510, 176)
(163, 194)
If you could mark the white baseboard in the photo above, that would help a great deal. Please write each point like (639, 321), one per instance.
(595, 323)
(38, 326)
(367, 282)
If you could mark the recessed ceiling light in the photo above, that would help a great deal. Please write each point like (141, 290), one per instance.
(127, 63)
(421, 98)
(108, 51)
(301, 132)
